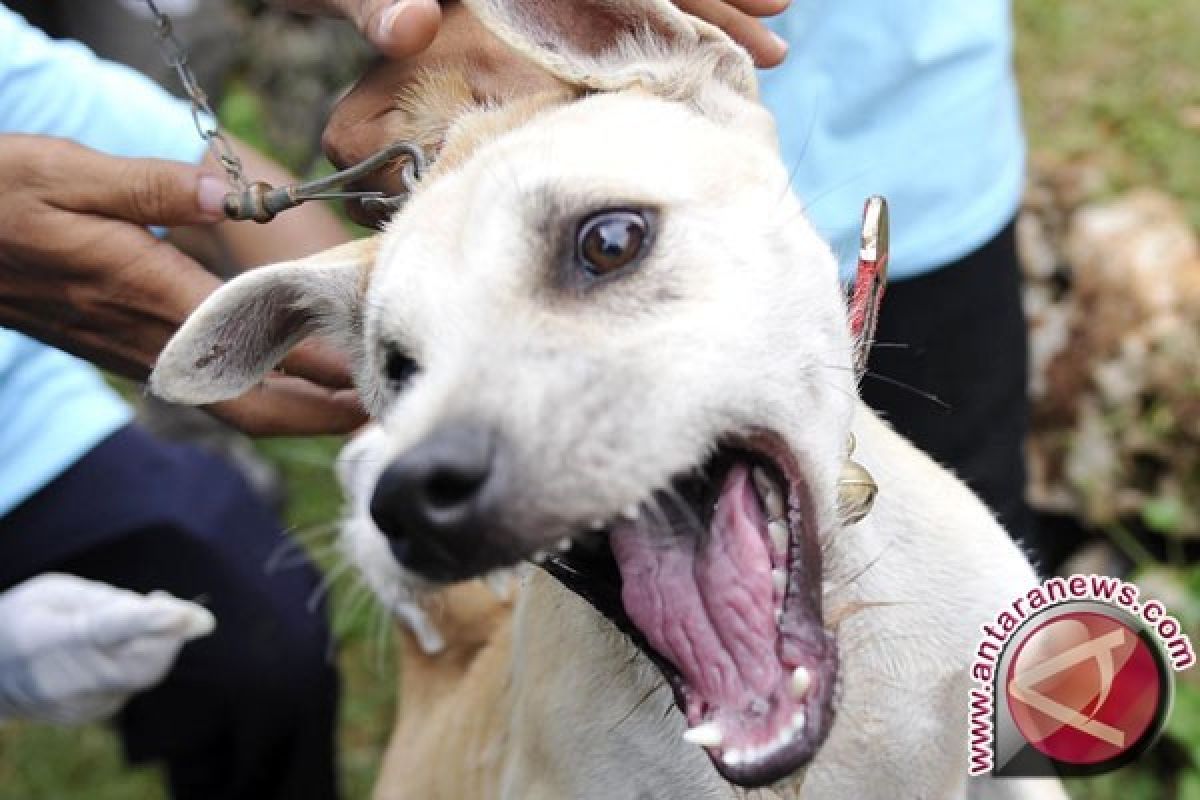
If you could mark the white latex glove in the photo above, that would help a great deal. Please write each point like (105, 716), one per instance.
(73, 650)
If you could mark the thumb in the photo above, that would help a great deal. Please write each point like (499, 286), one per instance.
(397, 28)
(157, 615)
(145, 191)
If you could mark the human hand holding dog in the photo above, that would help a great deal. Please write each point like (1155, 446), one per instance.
(80, 271)
(403, 28)
(368, 118)
(73, 650)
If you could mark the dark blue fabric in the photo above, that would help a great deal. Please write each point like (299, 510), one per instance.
(248, 712)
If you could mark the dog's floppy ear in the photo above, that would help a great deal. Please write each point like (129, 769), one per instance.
(608, 45)
(247, 326)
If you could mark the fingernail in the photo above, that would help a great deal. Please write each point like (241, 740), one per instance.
(388, 18)
(780, 43)
(210, 196)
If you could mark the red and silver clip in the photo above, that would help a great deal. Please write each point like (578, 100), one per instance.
(870, 280)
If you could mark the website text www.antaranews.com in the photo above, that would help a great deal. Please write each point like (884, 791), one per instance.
(1102, 588)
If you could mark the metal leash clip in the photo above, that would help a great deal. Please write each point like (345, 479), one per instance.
(262, 202)
(870, 280)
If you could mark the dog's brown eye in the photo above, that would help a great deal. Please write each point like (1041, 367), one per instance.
(611, 240)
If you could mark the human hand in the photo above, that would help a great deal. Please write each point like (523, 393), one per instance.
(397, 28)
(73, 650)
(368, 118)
(403, 28)
(741, 20)
(79, 270)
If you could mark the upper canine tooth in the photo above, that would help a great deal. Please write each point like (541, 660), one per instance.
(707, 734)
(801, 682)
(564, 544)
(630, 512)
(779, 578)
(779, 536)
(769, 492)
(539, 556)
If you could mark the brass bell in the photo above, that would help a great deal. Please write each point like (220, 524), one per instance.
(856, 492)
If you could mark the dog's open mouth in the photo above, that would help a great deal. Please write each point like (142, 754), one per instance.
(718, 581)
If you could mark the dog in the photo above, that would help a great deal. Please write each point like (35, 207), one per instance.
(601, 337)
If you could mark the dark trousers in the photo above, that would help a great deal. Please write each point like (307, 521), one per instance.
(959, 334)
(248, 712)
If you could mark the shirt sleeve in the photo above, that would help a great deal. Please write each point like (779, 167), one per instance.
(60, 88)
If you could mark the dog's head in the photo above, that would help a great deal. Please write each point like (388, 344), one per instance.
(606, 340)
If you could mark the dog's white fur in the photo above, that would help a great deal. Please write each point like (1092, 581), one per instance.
(735, 320)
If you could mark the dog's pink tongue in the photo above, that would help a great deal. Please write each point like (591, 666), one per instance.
(704, 601)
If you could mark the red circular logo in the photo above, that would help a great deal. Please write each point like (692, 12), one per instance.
(1084, 688)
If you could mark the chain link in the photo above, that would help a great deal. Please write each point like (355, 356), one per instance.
(176, 57)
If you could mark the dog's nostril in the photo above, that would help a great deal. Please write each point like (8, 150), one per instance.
(434, 490)
(450, 488)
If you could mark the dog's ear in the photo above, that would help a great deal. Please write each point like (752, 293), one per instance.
(247, 326)
(608, 45)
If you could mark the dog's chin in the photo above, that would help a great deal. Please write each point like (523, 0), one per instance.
(718, 581)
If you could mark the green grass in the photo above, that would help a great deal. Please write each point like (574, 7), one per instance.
(1113, 81)
(1116, 82)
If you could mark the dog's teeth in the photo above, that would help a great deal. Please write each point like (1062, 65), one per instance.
(564, 544)
(597, 524)
(771, 496)
(630, 512)
(778, 616)
(779, 578)
(733, 758)
(539, 557)
(798, 720)
(801, 682)
(779, 536)
(707, 734)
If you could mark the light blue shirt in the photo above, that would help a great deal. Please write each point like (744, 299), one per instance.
(912, 99)
(55, 408)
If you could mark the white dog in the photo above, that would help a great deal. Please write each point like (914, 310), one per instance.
(603, 337)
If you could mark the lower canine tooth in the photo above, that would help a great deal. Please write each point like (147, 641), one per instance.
(564, 544)
(733, 758)
(798, 720)
(779, 536)
(801, 682)
(705, 735)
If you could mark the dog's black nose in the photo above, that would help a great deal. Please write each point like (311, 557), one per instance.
(435, 501)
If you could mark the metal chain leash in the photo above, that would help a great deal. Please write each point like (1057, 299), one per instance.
(260, 201)
(174, 53)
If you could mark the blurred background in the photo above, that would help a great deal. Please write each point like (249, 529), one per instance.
(1111, 95)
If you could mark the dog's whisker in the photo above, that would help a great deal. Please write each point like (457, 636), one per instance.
(937, 401)
(382, 639)
(649, 693)
(324, 587)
